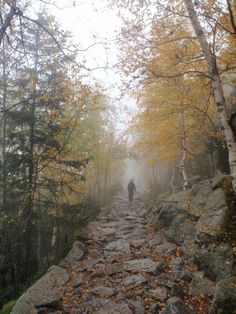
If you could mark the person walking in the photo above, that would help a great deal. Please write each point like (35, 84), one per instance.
(131, 188)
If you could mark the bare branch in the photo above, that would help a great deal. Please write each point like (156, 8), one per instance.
(231, 16)
(13, 11)
(159, 75)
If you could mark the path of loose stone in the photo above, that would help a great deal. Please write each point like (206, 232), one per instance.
(124, 270)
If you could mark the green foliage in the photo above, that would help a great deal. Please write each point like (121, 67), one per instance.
(7, 308)
(59, 152)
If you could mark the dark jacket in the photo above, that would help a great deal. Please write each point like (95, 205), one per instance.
(131, 187)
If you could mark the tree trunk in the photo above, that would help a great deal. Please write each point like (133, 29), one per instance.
(183, 154)
(3, 132)
(30, 259)
(173, 178)
(5, 24)
(105, 186)
(217, 88)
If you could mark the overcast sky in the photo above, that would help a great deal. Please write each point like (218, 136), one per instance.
(92, 21)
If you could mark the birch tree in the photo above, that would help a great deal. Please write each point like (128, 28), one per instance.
(209, 27)
(216, 86)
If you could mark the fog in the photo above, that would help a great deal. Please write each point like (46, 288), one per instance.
(148, 179)
(135, 170)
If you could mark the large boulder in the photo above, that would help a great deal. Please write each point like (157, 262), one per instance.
(160, 237)
(158, 294)
(225, 296)
(215, 213)
(24, 305)
(199, 195)
(118, 246)
(175, 217)
(201, 286)
(103, 306)
(217, 263)
(46, 292)
(136, 306)
(146, 265)
(180, 232)
(166, 249)
(75, 255)
(210, 204)
(177, 307)
(171, 215)
(134, 280)
(180, 199)
(104, 292)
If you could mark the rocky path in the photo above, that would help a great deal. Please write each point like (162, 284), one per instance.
(127, 269)
(135, 260)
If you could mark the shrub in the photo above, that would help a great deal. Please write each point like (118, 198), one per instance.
(6, 309)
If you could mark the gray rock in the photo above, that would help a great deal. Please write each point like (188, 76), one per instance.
(216, 263)
(166, 249)
(180, 199)
(158, 294)
(177, 290)
(46, 292)
(92, 262)
(95, 303)
(136, 306)
(118, 246)
(142, 212)
(115, 256)
(99, 231)
(216, 200)
(134, 280)
(165, 216)
(174, 235)
(215, 213)
(169, 283)
(115, 309)
(200, 192)
(157, 208)
(204, 239)
(195, 179)
(146, 265)
(104, 306)
(120, 297)
(219, 181)
(75, 254)
(190, 248)
(225, 296)
(177, 307)
(173, 300)
(183, 275)
(138, 243)
(152, 243)
(77, 281)
(177, 264)
(200, 286)
(154, 308)
(24, 305)
(112, 269)
(160, 237)
(104, 292)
